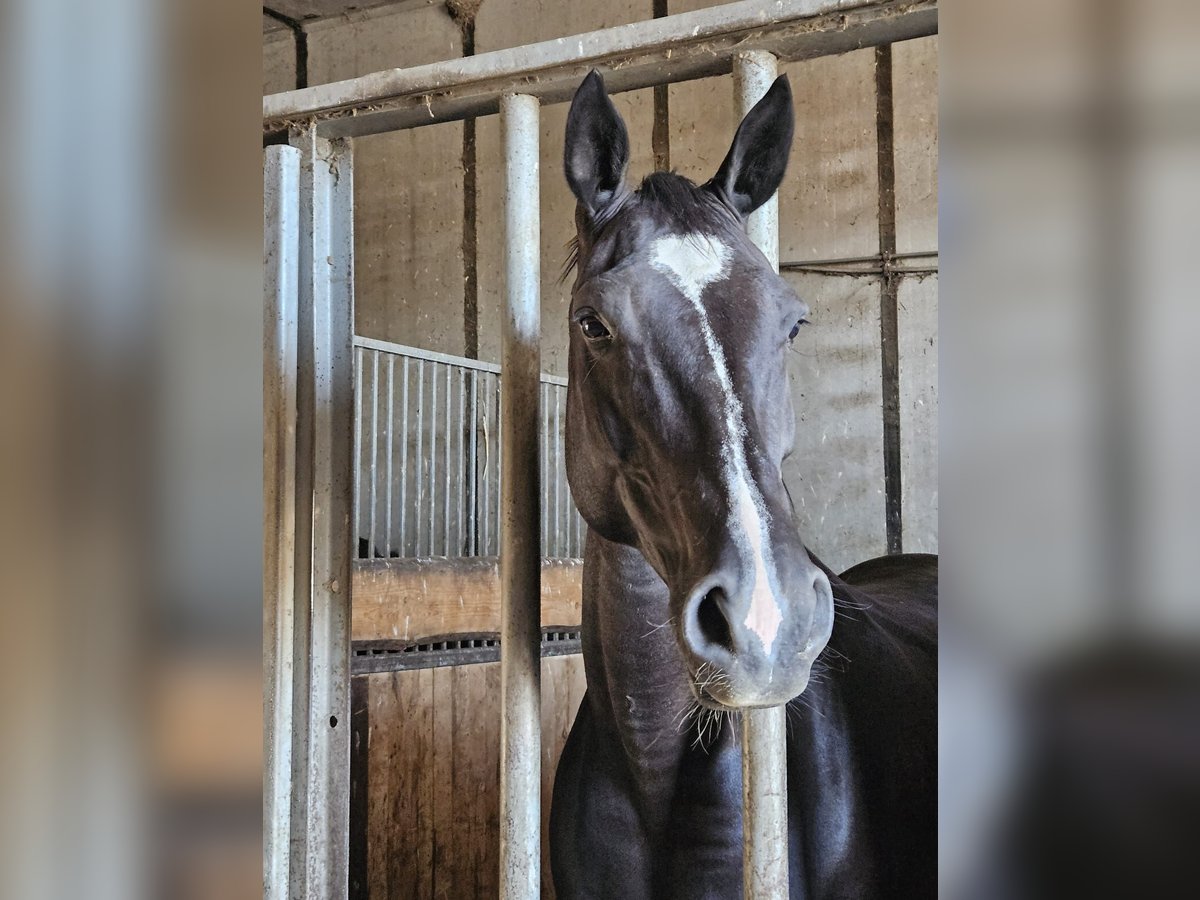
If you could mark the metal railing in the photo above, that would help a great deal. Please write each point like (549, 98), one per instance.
(427, 451)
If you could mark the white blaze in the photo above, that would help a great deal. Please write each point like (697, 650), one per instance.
(692, 262)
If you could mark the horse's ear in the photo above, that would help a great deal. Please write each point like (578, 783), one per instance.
(754, 166)
(597, 146)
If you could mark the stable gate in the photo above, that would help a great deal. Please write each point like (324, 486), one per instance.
(310, 402)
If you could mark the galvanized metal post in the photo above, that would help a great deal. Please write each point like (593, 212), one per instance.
(324, 504)
(520, 564)
(281, 265)
(764, 731)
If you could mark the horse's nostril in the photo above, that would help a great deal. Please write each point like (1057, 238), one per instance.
(710, 616)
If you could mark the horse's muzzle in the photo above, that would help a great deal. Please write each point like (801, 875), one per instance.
(748, 649)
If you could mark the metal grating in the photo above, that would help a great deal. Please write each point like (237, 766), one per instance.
(427, 450)
(370, 657)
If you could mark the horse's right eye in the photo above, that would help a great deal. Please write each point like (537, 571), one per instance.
(593, 329)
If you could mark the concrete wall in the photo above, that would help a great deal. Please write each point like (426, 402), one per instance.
(409, 241)
(828, 208)
(408, 185)
(279, 61)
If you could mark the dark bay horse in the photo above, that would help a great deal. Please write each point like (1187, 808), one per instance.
(699, 598)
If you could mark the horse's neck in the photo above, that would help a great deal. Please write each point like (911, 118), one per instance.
(637, 682)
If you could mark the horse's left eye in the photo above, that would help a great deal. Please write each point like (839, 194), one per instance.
(796, 329)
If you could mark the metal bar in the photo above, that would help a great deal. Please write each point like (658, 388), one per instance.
(391, 451)
(488, 437)
(373, 657)
(281, 257)
(371, 545)
(499, 460)
(473, 508)
(889, 307)
(326, 411)
(462, 452)
(428, 355)
(877, 259)
(557, 477)
(446, 467)
(638, 55)
(554, 379)
(433, 451)
(358, 427)
(404, 460)
(544, 465)
(520, 565)
(764, 797)
(418, 459)
(873, 272)
(764, 733)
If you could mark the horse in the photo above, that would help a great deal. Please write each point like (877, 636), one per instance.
(699, 597)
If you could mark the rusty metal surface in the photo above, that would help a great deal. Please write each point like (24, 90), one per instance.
(520, 565)
(641, 54)
(321, 756)
(281, 251)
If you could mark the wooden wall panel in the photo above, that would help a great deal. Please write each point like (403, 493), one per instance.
(409, 599)
(432, 777)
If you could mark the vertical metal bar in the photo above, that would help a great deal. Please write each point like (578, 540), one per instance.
(889, 307)
(764, 732)
(473, 509)
(446, 498)
(358, 426)
(543, 409)
(557, 475)
(371, 541)
(499, 460)
(404, 460)
(520, 567)
(326, 413)
(391, 396)
(281, 258)
(462, 452)
(418, 458)
(433, 383)
(489, 437)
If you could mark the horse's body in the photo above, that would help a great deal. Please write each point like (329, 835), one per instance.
(685, 621)
(646, 807)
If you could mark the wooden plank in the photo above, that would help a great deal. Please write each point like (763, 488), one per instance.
(401, 755)
(408, 599)
(360, 789)
(433, 810)
(442, 845)
(477, 780)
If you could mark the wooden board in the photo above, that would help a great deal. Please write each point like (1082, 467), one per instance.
(409, 599)
(432, 777)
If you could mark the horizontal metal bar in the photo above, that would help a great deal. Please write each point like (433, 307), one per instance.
(874, 271)
(844, 260)
(370, 657)
(876, 265)
(445, 358)
(428, 355)
(674, 48)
